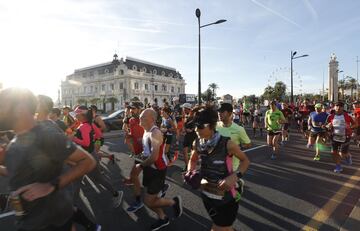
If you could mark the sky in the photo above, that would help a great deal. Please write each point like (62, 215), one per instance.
(41, 41)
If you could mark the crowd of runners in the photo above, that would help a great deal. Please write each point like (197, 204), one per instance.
(45, 151)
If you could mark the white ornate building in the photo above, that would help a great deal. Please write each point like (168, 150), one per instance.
(333, 78)
(110, 84)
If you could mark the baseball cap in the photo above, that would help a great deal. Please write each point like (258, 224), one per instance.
(318, 105)
(186, 105)
(225, 107)
(136, 104)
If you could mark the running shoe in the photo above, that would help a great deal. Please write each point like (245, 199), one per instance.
(135, 207)
(309, 146)
(160, 224)
(162, 193)
(117, 199)
(273, 157)
(178, 209)
(95, 227)
(317, 157)
(338, 168)
(348, 160)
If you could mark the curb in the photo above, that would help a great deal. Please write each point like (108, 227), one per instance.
(352, 223)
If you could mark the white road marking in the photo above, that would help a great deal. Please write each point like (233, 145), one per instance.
(254, 148)
(7, 214)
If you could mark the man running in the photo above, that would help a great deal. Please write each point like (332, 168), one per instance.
(37, 187)
(340, 125)
(285, 128)
(273, 120)
(317, 122)
(154, 167)
(356, 108)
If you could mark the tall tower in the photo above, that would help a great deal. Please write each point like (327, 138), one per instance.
(333, 78)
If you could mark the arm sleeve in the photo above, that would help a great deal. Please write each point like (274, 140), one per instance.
(85, 134)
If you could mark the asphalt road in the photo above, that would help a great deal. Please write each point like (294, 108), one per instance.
(290, 193)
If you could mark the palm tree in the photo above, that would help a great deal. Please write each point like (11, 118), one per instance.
(112, 100)
(94, 101)
(82, 101)
(341, 86)
(351, 83)
(213, 87)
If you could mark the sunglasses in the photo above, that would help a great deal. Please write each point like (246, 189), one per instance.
(201, 126)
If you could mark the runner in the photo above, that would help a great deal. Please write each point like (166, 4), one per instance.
(356, 108)
(317, 122)
(285, 128)
(168, 129)
(236, 114)
(218, 184)
(85, 136)
(188, 131)
(37, 188)
(340, 125)
(258, 121)
(304, 111)
(55, 116)
(246, 111)
(154, 165)
(273, 120)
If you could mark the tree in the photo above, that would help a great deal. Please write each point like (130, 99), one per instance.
(112, 100)
(213, 87)
(341, 87)
(351, 83)
(280, 90)
(82, 101)
(207, 95)
(94, 101)
(268, 93)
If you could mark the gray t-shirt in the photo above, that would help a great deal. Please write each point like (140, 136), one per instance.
(38, 156)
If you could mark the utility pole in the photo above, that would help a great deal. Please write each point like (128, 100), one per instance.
(357, 78)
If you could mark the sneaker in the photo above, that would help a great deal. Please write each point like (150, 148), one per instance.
(178, 209)
(338, 168)
(162, 193)
(117, 199)
(348, 160)
(317, 157)
(160, 224)
(273, 157)
(128, 182)
(309, 146)
(95, 227)
(135, 207)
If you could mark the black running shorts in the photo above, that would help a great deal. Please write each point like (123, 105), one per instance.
(221, 214)
(153, 180)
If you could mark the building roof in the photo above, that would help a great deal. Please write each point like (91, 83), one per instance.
(132, 64)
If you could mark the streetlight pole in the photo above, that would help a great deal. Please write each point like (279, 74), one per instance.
(198, 14)
(357, 78)
(292, 56)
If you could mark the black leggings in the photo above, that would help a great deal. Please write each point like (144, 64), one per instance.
(65, 227)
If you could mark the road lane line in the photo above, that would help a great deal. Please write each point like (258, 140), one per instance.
(327, 210)
(8, 214)
(254, 148)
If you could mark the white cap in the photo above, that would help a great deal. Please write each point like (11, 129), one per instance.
(186, 105)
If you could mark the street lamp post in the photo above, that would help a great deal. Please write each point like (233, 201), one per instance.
(291, 70)
(198, 14)
(333, 93)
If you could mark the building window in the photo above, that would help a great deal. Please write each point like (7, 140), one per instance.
(143, 69)
(146, 86)
(163, 73)
(84, 74)
(154, 71)
(96, 89)
(163, 87)
(121, 72)
(134, 67)
(171, 75)
(136, 86)
(172, 89)
(91, 89)
(178, 89)
(106, 70)
(112, 86)
(156, 87)
(103, 87)
(121, 86)
(91, 73)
